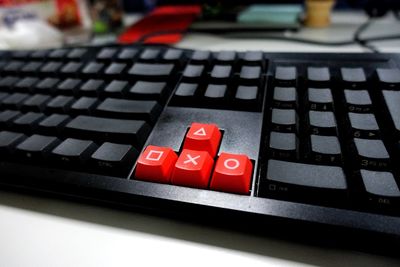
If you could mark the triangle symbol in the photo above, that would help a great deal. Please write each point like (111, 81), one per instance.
(200, 132)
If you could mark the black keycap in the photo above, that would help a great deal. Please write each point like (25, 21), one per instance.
(60, 104)
(71, 68)
(92, 68)
(285, 97)
(389, 76)
(116, 88)
(353, 75)
(320, 99)
(221, 72)
(68, 86)
(116, 159)
(149, 54)
(253, 57)
(58, 54)
(106, 54)
(91, 87)
(35, 103)
(39, 54)
(7, 116)
(8, 82)
(320, 120)
(306, 180)
(131, 109)
(73, 151)
(13, 66)
(36, 147)
(8, 141)
(127, 131)
(31, 67)
(364, 122)
(151, 70)
(53, 124)
(20, 54)
(14, 101)
(27, 122)
(284, 119)
(246, 93)
(51, 67)
(186, 90)
(127, 54)
(173, 55)
(283, 145)
(84, 105)
(250, 73)
(380, 184)
(286, 74)
(215, 91)
(325, 149)
(26, 84)
(392, 99)
(193, 71)
(371, 149)
(148, 90)
(318, 74)
(3, 95)
(47, 85)
(115, 69)
(358, 100)
(226, 56)
(77, 53)
(201, 56)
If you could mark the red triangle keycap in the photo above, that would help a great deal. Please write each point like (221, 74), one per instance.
(203, 137)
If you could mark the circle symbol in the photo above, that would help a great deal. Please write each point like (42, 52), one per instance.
(231, 164)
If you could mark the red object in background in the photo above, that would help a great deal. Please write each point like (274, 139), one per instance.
(171, 20)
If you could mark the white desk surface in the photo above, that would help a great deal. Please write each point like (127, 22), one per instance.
(36, 231)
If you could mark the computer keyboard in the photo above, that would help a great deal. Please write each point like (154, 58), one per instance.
(311, 140)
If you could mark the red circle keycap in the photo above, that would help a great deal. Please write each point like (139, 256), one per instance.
(232, 174)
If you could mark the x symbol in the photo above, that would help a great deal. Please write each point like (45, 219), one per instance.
(191, 159)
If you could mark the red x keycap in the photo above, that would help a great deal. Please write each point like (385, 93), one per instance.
(193, 169)
(203, 137)
(232, 174)
(155, 164)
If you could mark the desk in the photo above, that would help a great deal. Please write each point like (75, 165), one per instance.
(38, 231)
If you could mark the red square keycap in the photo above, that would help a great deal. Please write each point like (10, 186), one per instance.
(155, 164)
(232, 174)
(204, 137)
(193, 169)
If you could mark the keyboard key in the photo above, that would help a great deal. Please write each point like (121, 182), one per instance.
(253, 57)
(71, 68)
(286, 73)
(358, 100)
(106, 53)
(13, 66)
(221, 72)
(307, 181)
(51, 68)
(26, 84)
(7, 116)
(14, 101)
(130, 109)
(73, 151)
(284, 120)
(285, 97)
(91, 87)
(364, 125)
(156, 164)
(372, 153)
(246, 93)
(77, 53)
(250, 73)
(392, 99)
(53, 124)
(102, 129)
(68, 86)
(115, 159)
(388, 76)
(325, 149)
(116, 88)
(381, 184)
(173, 55)
(152, 70)
(92, 68)
(320, 96)
(149, 90)
(215, 91)
(353, 75)
(28, 121)
(84, 105)
(115, 69)
(127, 54)
(31, 67)
(47, 85)
(193, 71)
(36, 147)
(322, 123)
(192, 169)
(8, 141)
(8, 82)
(60, 104)
(226, 56)
(149, 54)
(283, 145)
(201, 56)
(36, 103)
(186, 90)
(205, 137)
(58, 54)
(318, 74)
(232, 174)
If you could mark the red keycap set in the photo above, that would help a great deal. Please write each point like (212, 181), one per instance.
(195, 167)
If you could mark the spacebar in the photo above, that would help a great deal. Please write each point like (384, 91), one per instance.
(306, 175)
(104, 129)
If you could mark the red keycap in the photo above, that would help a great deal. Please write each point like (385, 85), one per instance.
(232, 174)
(155, 164)
(193, 169)
(203, 137)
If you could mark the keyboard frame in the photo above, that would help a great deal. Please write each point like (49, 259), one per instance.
(284, 219)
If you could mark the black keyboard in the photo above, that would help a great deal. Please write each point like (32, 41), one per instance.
(306, 144)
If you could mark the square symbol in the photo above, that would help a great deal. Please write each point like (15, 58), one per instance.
(154, 155)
